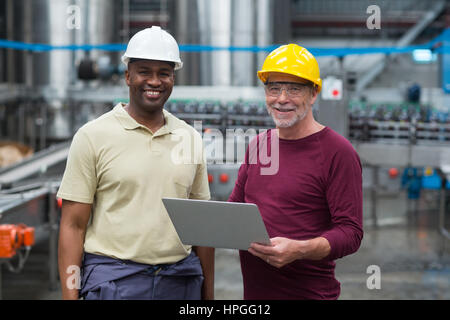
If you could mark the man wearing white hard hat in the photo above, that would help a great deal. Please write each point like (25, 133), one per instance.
(114, 225)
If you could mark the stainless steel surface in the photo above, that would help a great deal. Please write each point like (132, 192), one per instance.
(96, 26)
(243, 35)
(264, 29)
(334, 114)
(186, 28)
(215, 30)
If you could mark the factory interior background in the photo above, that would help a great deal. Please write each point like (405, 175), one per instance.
(385, 67)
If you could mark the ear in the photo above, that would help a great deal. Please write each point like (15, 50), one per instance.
(314, 95)
(127, 77)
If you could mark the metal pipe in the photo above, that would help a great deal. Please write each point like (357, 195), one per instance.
(126, 21)
(220, 36)
(187, 26)
(28, 37)
(242, 35)
(264, 28)
(10, 36)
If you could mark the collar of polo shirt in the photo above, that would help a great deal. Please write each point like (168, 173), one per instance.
(130, 124)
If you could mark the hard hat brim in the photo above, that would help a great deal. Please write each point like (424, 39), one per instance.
(264, 75)
(178, 64)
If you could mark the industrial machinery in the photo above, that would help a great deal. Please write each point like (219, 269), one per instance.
(13, 237)
(398, 123)
(27, 198)
(15, 241)
(46, 94)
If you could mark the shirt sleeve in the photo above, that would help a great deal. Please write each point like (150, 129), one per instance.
(344, 196)
(79, 182)
(200, 185)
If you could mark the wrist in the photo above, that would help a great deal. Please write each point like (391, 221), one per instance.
(315, 249)
(323, 248)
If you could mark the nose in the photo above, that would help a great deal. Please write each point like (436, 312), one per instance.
(154, 80)
(283, 98)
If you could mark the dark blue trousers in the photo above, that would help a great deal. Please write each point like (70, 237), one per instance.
(105, 278)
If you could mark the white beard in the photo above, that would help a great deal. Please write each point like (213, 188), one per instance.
(289, 122)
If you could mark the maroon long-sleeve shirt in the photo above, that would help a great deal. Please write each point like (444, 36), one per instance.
(316, 191)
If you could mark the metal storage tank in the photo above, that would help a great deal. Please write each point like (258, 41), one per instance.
(228, 23)
(50, 73)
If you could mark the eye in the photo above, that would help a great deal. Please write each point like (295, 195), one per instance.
(274, 89)
(295, 89)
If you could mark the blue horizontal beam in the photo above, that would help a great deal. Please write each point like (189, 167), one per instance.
(438, 45)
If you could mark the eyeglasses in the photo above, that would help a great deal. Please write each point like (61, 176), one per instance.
(293, 89)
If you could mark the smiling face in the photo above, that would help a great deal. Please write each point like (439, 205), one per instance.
(151, 83)
(286, 109)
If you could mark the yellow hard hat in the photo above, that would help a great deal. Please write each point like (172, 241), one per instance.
(292, 59)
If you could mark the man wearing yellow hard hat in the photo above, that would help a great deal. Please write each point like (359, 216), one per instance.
(311, 206)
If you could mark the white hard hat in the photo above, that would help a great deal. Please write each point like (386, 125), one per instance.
(153, 44)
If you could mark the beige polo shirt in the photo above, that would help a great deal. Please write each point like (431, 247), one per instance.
(123, 170)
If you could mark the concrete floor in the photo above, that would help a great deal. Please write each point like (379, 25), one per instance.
(412, 257)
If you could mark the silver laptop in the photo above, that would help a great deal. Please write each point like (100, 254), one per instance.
(216, 224)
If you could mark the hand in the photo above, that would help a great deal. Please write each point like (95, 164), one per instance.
(281, 252)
